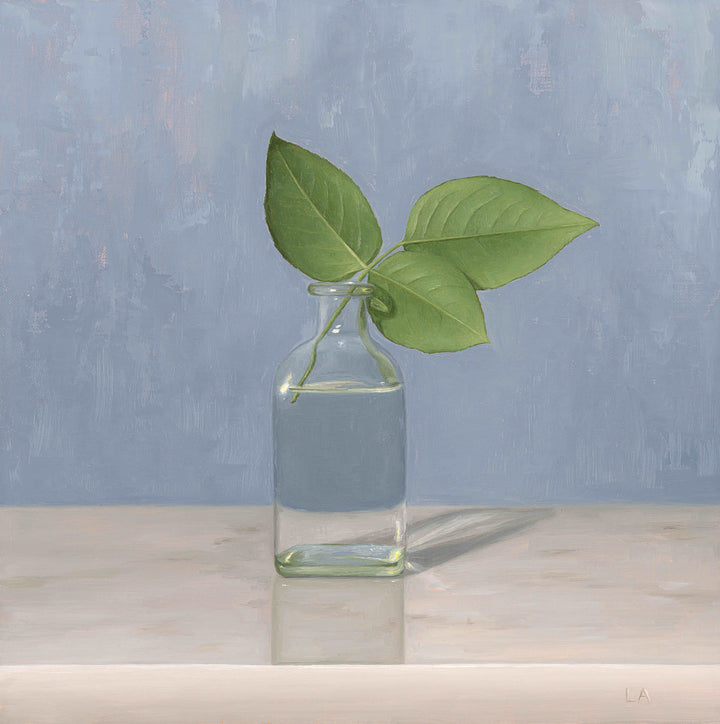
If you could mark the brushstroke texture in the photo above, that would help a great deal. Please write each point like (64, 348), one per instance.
(143, 308)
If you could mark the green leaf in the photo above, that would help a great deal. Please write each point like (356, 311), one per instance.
(493, 230)
(318, 217)
(426, 303)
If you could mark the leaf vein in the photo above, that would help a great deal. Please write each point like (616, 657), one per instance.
(428, 301)
(317, 211)
(481, 208)
(495, 233)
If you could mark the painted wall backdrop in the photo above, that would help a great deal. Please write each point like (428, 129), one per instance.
(143, 307)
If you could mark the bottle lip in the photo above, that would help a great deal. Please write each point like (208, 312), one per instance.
(341, 289)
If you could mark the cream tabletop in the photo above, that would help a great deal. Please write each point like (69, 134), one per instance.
(541, 612)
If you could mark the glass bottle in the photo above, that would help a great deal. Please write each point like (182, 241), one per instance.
(339, 447)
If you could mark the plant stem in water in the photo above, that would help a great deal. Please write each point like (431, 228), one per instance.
(326, 328)
(313, 355)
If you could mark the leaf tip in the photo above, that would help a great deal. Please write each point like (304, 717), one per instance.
(275, 140)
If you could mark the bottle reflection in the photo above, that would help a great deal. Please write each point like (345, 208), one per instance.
(338, 621)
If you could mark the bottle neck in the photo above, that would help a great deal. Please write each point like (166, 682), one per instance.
(340, 315)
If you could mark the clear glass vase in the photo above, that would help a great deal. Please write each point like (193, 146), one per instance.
(339, 447)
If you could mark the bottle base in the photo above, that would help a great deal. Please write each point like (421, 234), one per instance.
(332, 559)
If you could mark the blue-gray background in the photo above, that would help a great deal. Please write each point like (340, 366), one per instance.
(143, 308)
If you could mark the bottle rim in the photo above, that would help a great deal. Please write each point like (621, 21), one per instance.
(341, 289)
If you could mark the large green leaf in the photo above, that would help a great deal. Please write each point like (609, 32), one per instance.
(493, 230)
(424, 302)
(318, 217)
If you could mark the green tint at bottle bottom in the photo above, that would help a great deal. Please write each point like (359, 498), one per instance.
(338, 559)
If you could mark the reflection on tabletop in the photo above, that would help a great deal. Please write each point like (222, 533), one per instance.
(361, 620)
(338, 621)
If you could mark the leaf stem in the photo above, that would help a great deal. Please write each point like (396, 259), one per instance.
(313, 355)
(377, 260)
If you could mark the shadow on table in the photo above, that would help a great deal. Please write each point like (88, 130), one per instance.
(440, 538)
